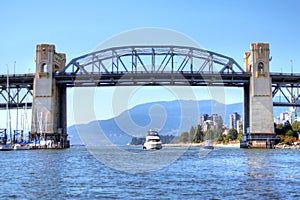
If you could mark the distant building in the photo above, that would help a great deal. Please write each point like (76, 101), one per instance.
(235, 121)
(283, 118)
(207, 121)
(225, 131)
(203, 118)
(294, 116)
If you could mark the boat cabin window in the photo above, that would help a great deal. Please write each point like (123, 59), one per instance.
(152, 133)
(154, 140)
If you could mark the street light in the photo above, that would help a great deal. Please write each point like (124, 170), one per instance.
(15, 68)
(292, 66)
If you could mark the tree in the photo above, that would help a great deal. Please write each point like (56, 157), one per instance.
(219, 130)
(198, 135)
(184, 137)
(192, 134)
(287, 126)
(221, 138)
(240, 136)
(296, 126)
(279, 129)
(291, 133)
(232, 134)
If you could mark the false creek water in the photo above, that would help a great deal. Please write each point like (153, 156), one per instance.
(224, 173)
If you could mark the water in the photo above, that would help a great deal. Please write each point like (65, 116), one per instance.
(225, 173)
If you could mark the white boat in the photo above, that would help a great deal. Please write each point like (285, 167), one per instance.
(4, 146)
(21, 146)
(152, 141)
(208, 144)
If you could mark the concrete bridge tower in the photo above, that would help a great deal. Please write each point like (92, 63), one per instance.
(49, 99)
(260, 105)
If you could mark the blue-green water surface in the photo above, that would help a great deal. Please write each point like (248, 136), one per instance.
(225, 173)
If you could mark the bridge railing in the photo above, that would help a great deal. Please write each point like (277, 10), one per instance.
(295, 75)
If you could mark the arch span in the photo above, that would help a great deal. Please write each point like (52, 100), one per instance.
(152, 59)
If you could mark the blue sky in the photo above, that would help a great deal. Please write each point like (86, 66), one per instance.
(77, 27)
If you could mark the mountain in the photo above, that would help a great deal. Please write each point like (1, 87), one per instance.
(170, 118)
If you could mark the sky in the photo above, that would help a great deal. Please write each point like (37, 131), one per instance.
(77, 27)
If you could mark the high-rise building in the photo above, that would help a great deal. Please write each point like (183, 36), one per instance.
(234, 119)
(209, 121)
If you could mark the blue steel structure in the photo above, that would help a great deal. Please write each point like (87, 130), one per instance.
(150, 66)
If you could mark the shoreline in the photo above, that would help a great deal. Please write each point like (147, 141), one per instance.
(235, 145)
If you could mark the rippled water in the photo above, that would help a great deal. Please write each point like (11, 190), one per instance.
(225, 173)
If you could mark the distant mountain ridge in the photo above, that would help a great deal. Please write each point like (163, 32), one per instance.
(170, 116)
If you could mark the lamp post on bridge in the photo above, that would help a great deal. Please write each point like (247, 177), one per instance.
(292, 67)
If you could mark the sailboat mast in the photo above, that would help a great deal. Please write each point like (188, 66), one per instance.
(7, 105)
(17, 120)
(7, 101)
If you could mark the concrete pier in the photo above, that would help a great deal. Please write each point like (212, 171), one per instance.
(258, 102)
(49, 99)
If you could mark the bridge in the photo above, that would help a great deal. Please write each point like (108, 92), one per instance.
(148, 66)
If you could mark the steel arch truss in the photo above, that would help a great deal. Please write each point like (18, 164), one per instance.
(152, 59)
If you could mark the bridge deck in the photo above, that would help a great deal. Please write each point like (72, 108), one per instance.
(25, 82)
(141, 78)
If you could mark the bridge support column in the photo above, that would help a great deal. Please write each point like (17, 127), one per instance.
(48, 124)
(261, 125)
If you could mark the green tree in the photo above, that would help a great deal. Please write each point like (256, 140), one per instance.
(240, 136)
(192, 134)
(287, 132)
(221, 138)
(209, 134)
(184, 137)
(279, 129)
(219, 130)
(240, 132)
(232, 134)
(291, 133)
(199, 134)
(287, 126)
(296, 126)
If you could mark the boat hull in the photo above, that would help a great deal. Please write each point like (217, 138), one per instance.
(208, 147)
(152, 146)
(208, 144)
(6, 147)
(21, 147)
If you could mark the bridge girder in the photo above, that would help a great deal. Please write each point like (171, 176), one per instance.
(287, 85)
(144, 79)
(19, 91)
